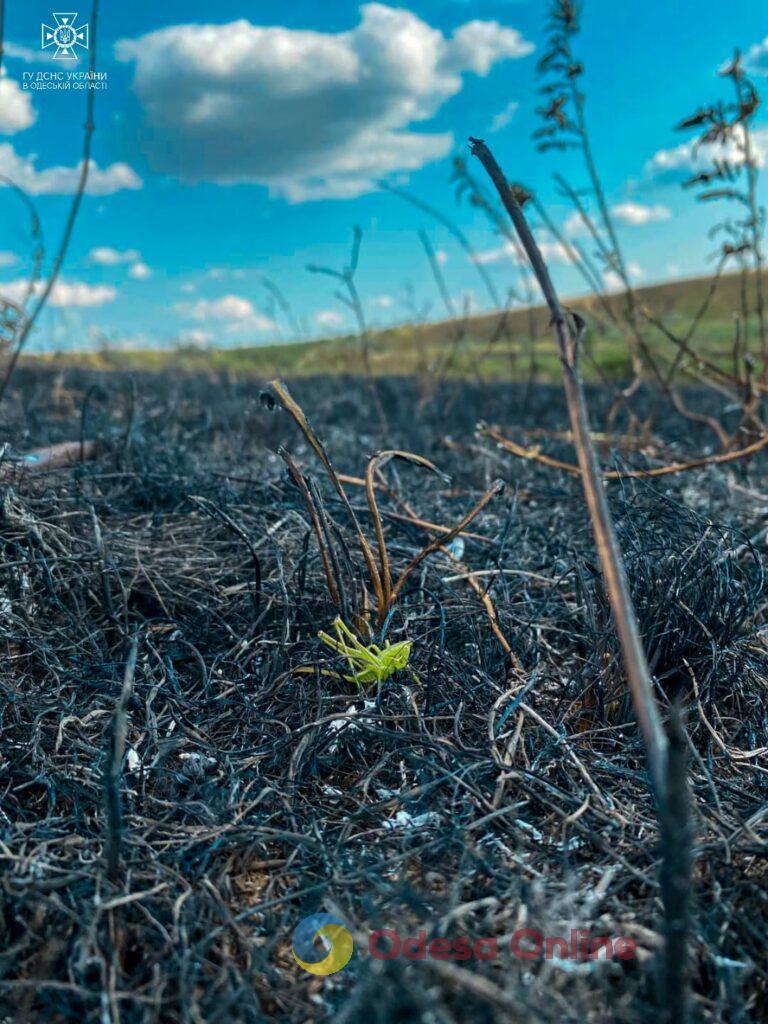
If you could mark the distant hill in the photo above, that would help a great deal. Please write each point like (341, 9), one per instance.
(490, 344)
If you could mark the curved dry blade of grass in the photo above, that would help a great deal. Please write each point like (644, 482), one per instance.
(298, 479)
(376, 462)
(291, 406)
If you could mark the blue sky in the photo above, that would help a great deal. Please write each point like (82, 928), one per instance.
(236, 140)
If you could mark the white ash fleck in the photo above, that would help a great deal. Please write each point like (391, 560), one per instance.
(408, 822)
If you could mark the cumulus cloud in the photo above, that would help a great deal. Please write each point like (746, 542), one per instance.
(59, 181)
(8, 258)
(478, 45)
(575, 225)
(382, 301)
(140, 271)
(65, 294)
(308, 114)
(330, 318)
(552, 251)
(630, 213)
(195, 336)
(236, 313)
(78, 293)
(636, 214)
(16, 110)
(614, 283)
(756, 58)
(106, 256)
(24, 53)
(680, 162)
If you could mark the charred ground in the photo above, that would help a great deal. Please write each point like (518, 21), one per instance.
(256, 788)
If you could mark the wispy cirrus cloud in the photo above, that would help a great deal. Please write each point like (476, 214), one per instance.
(504, 116)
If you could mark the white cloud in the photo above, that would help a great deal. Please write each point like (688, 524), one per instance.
(24, 53)
(441, 256)
(64, 180)
(383, 301)
(498, 254)
(28, 55)
(502, 119)
(329, 318)
(195, 336)
(238, 314)
(629, 213)
(219, 273)
(188, 288)
(8, 258)
(575, 225)
(478, 45)
(308, 114)
(636, 214)
(614, 283)
(680, 162)
(78, 293)
(16, 110)
(552, 251)
(756, 58)
(106, 256)
(230, 307)
(65, 294)
(140, 271)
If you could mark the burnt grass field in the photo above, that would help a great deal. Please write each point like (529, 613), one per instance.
(164, 828)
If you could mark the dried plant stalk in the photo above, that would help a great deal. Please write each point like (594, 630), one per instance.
(534, 455)
(567, 330)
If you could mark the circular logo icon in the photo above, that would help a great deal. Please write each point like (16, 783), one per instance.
(322, 944)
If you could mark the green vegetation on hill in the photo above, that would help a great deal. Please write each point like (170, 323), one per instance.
(490, 345)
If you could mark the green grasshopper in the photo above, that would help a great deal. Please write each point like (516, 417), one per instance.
(370, 664)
